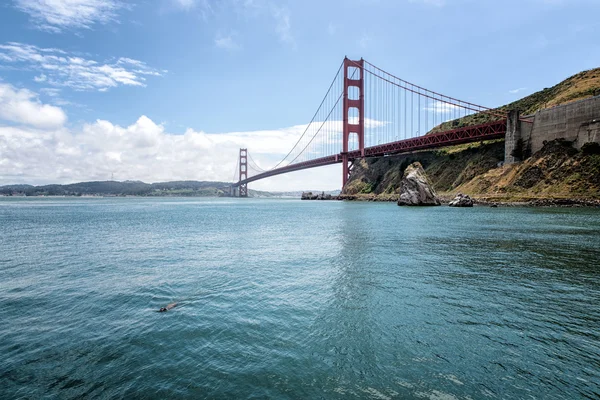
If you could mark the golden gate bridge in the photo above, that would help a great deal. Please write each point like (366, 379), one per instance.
(368, 112)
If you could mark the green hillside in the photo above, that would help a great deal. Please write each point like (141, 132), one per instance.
(579, 86)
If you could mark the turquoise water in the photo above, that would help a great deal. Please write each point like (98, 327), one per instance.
(290, 299)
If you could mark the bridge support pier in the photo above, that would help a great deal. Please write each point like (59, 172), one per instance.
(513, 143)
(356, 101)
(345, 169)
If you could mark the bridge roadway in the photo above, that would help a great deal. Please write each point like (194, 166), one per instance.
(468, 134)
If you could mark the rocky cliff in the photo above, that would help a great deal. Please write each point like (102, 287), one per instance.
(558, 171)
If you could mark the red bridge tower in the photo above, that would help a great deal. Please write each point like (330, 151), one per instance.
(243, 172)
(353, 77)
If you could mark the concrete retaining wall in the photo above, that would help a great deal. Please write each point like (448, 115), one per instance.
(578, 122)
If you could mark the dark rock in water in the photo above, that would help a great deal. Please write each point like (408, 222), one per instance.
(494, 206)
(415, 188)
(461, 200)
(311, 196)
(308, 196)
(168, 307)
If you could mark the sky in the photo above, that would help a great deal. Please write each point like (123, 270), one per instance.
(160, 90)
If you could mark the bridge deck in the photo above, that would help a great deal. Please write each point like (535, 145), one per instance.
(476, 133)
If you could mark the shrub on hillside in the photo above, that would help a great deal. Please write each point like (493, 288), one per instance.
(590, 148)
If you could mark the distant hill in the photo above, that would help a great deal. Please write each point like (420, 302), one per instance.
(126, 188)
(579, 86)
(138, 188)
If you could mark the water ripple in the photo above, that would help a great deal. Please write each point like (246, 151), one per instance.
(289, 299)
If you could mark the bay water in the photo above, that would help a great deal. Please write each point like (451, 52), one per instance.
(287, 299)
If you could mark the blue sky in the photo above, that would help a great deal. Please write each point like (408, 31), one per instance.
(169, 89)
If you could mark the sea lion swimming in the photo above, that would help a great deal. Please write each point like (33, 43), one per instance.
(168, 307)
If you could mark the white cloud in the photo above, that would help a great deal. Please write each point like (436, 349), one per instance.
(57, 15)
(52, 92)
(145, 151)
(202, 6)
(268, 13)
(440, 107)
(185, 4)
(227, 42)
(23, 107)
(190, 4)
(59, 68)
(515, 91)
(283, 25)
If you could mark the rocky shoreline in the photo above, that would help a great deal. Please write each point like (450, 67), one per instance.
(415, 189)
(541, 202)
(318, 196)
(478, 201)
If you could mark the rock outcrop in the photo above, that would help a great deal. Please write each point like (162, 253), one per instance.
(415, 188)
(311, 196)
(461, 200)
(324, 196)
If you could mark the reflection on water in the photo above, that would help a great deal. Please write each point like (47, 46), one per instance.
(291, 299)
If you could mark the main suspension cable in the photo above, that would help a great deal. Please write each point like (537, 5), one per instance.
(255, 164)
(326, 119)
(235, 172)
(429, 93)
(312, 120)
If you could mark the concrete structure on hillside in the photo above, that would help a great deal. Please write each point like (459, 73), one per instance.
(513, 145)
(577, 122)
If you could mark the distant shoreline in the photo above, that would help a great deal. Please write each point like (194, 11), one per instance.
(479, 201)
(139, 189)
(19, 196)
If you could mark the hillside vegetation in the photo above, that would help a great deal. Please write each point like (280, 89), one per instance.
(127, 188)
(380, 177)
(558, 171)
(579, 86)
